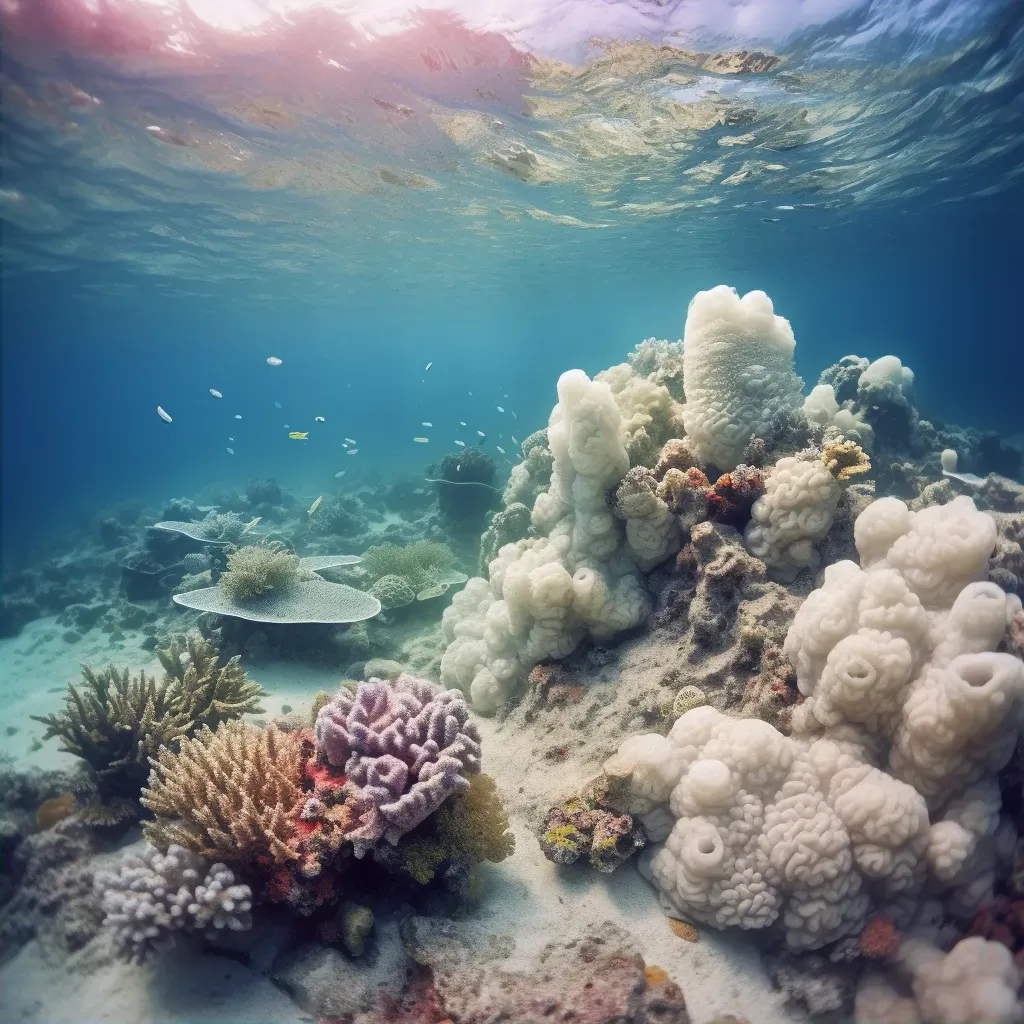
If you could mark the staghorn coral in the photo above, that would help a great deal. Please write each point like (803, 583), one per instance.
(153, 896)
(207, 694)
(230, 794)
(258, 568)
(845, 459)
(115, 723)
(405, 747)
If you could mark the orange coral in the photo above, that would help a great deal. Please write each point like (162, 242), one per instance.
(684, 930)
(879, 940)
(55, 809)
(655, 975)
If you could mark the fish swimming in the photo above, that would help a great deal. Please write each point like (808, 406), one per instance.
(500, 449)
(165, 416)
(499, 408)
(215, 393)
(338, 476)
(230, 451)
(299, 435)
(277, 405)
(462, 423)
(315, 505)
(461, 444)
(352, 451)
(231, 439)
(274, 361)
(480, 433)
(237, 416)
(426, 424)
(421, 440)
(514, 441)
(319, 419)
(428, 366)
(248, 526)
(351, 440)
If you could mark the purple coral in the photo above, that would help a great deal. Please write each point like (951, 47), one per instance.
(405, 746)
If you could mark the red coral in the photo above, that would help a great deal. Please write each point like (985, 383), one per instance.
(879, 940)
(730, 499)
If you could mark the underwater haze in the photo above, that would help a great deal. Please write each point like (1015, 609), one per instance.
(286, 286)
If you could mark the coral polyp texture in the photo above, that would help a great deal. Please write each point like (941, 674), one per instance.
(230, 794)
(405, 747)
(886, 788)
(153, 896)
(577, 577)
(738, 362)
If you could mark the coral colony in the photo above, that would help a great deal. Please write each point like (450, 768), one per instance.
(763, 646)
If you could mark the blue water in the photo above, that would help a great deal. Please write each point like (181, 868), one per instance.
(140, 272)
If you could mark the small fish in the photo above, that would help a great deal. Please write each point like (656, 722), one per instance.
(230, 451)
(277, 405)
(769, 220)
(231, 439)
(514, 416)
(163, 414)
(421, 440)
(287, 426)
(215, 393)
(351, 440)
(426, 424)
(352, 451)
(461, 444)
(514, 441)
(500, 449)
(785, 207)
(504, 396)
(248, 526)
(299, 435)
(480, 433)
(462, 423)
(319, 419)
(344, 444)
(315, 505)
(428, 366)
(338, 476)
(237, 416)
(274, 361)
(500, 409)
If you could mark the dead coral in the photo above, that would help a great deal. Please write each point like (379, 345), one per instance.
(845, 459)
(676, 454)
(230, 795)
(208, 695)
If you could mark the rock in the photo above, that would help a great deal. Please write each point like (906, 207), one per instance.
(71, 637)
(381, 668)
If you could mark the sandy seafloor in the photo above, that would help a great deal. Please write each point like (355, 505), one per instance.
(525, 898)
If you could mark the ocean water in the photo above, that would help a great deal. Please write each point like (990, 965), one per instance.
(429, 212)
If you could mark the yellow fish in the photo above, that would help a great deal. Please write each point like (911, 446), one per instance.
(249, 526)
(299, 435)
(315, 505)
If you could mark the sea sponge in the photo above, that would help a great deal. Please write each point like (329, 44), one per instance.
(257, 568)
(230, 794)
(738, 362)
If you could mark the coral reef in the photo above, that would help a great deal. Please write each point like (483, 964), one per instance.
(257, 568)
(425, 569)
(465, 488)
(506, 527)
(405, 749)
(154, 896)
(532, 476)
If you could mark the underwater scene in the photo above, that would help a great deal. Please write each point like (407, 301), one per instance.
(512, 512)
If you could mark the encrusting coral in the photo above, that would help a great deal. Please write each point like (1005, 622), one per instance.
(580, 827)
(153, 896)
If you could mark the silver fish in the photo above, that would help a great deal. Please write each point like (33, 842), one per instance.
(163, 414)
(215, 393)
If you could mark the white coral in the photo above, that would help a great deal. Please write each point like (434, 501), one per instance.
(738, 361)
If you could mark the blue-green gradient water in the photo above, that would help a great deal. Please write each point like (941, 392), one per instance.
(180, 203)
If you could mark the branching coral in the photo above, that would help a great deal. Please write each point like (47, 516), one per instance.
(116, 723)
(257, 568)
(419, 565)
(206, 693)
(154, 896)
(405, 747)
(230, 794)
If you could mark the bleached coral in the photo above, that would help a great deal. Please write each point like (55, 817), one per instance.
(888, 781)
(577, 577)
(886, 381)
(649, 414)
(652, 531)
(739, 372)
(152, 896)
(823, 410)
(796, 510)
